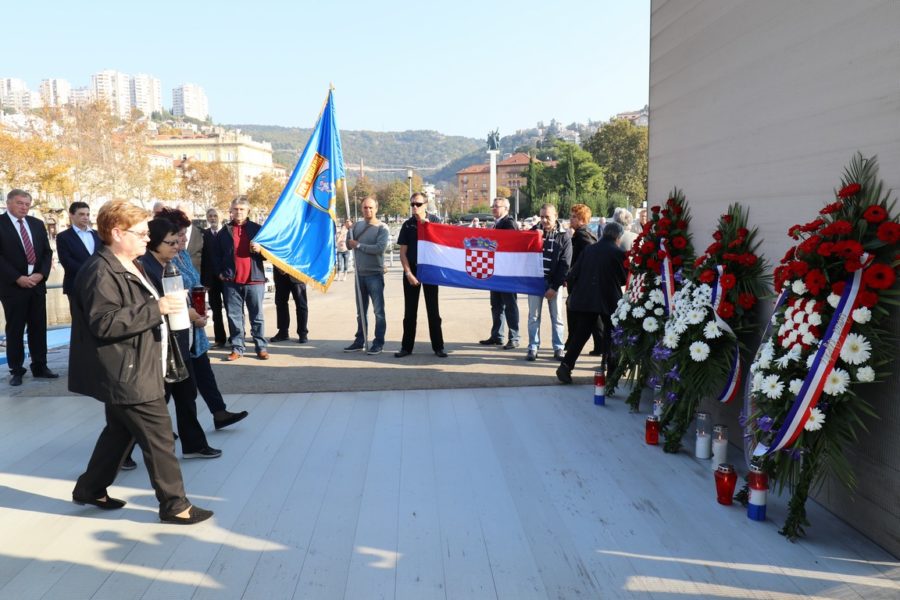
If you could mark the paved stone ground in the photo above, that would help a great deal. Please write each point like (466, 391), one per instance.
(321, 365)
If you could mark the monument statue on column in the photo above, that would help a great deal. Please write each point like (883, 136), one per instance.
(493, 149)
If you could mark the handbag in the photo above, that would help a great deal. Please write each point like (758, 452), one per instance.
(176, 369)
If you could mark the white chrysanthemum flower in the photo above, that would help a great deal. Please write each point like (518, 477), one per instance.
(704, 290)
(695, 317)
(651, 324)
(638, 312)
(798, 317)
(711, 331)
(699, 351)
(786, 343)
(680, 326)
(792, 337)
(789, 313)
(796, 348)
(648, 305)
(670, 339)
(856, 349)
(757, 382)
(795, 385)
(798, 287)
(865, 374)
(862, 315)
(614, 320)
(785, 327)
(815, 421)
(657, 281)
(774, 319)
(814, 318)
(809, 338)
(658, 312)
(810, 305)
(656, 296)
(804, 328)
(836, 382)
(833, 300)
(772, 386)
(788, 357)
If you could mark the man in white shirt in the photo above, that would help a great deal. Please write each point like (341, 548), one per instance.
(77, 243)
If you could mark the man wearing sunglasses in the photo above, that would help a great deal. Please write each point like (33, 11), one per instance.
(408, 241)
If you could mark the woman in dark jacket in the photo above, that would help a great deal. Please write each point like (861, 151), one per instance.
(116, 355)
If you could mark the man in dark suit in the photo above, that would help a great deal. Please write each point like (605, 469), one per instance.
(77, 243)
(503, 304)
(209, 276)
(595, 287)
(25, 257)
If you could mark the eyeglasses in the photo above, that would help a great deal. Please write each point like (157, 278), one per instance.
(170, 243)
(417, 204)
(138, 234)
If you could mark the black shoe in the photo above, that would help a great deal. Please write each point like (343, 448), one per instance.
(557, 355)
(44, 373)
(230, 418)
(195, 515)
(280, 337)
(595, 352)
(564, 373)
(108, 504)
(205, 453)
(510, 345)
(303, 340)
(491, 342)
(218, 345)
(531, 356)
(354, 347)
(440, 353)
(128, 464)
(15, 380)
(401, 353)
(373, 350)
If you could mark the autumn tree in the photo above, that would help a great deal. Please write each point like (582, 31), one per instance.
(210, 184)
(36, 164)
(621, 148)
(393, 198)
(265, 191)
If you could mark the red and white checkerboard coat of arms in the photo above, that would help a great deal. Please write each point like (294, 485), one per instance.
(480, 257)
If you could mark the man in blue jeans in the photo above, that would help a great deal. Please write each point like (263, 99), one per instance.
(368, 239)
(240, 267)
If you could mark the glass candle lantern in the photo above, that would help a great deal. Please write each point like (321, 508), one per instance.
(758, 482)
(651, 430)
(198, 300)
(719, 445)
(726, 480)
(703, 447)
(599, 387)
(658, 402)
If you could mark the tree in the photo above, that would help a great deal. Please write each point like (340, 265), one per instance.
(393, 198)
(36, 164)
(621, 148)
(210, 184)
(164, 184)
(265, 191)
(503, 192)
(362, 189)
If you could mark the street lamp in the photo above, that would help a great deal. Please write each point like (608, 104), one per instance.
(409, 180)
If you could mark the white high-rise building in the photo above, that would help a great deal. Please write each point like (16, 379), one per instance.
(55, 92)
(146, 94)
(189, 100)
(14, 93)
(81, 96)
(114, 88)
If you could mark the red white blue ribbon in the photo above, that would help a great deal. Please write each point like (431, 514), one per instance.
(821, 368)
(733, 383)
(668, 278)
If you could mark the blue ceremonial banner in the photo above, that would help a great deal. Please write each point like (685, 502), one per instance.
(298, 236)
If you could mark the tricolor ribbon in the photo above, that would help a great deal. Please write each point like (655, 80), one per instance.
(822, 365)
(668, 278)
(732, 385)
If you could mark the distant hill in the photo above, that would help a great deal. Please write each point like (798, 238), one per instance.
(429, 152)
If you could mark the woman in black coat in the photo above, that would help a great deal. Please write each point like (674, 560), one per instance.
(117, 352)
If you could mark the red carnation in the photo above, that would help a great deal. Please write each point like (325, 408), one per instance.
(815, 281)
(879, 276)
(798, 268)
(677, 261)
(735, 243)
(812, 225)
(726, 309)
(875, 214)
(661, 254)
(849, 190)
(670, 201)
(794, 231)
(809, 245)
(832, 208)
(707, 276)
(852, 265)
(727, 280)
(789, 255)
(647, 247)
(714, 248)
(743, 232)
(681, 224)
(779, 276)
(700, 260)
(664, 223)
(889, 232)
(867, 299)
(847, 249)
(837, 288)
(653, 264)
(746, 300)
(679, 243)
(717, 235)
(727, 218)
(627, 263)
(638, 260)
(748, 259)
(677, 210)
(825, 249)
(654, 209)
(839, 227)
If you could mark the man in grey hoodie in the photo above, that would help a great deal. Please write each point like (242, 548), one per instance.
(368, 239)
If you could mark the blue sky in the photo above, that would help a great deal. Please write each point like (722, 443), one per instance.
(461, 68)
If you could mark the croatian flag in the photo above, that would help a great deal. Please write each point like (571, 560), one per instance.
(499, 260)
